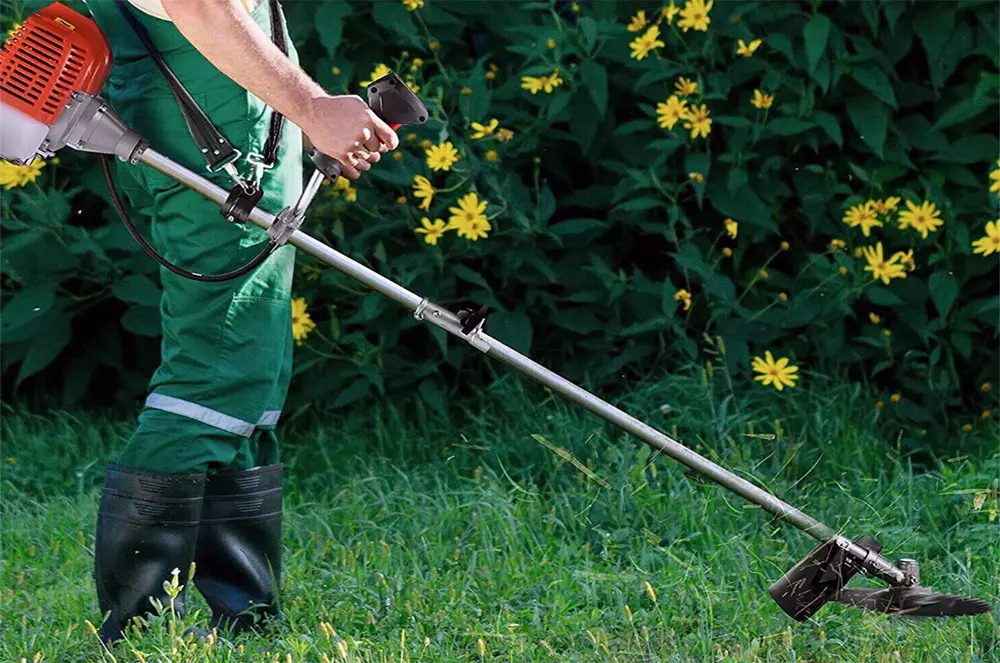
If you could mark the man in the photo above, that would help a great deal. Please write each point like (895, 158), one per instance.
(199, 480)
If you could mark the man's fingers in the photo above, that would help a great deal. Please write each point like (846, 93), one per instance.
(347, 169)
(384, 132)
(371, 142)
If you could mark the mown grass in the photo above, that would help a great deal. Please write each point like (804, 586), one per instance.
(465, 541)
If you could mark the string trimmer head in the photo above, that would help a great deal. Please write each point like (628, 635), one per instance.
(821, 576)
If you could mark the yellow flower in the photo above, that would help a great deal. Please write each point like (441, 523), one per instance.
(923, 219)
(17, 176)
(837, 244)
(343, 186)
(401, 200)
(883, 269)
(858, 252)
(669, 113)
(732, 228)
(995, 176)
(302, 324)
(887, 205)
(778, 373)
(967, 427)
(875, 318)
(378, 72)
(986, 414)
(422, 189)
(644, 45)
(905, 259)
(697, 177)
(575, 7)
(887, 333)
(685, 87)
(895, 398)
(783, 296)
(747, 50)
(491, 75)
(985, 387)
(434, 45)
(442, 157)
(864, 216)
(669, 12)
(425, 143)
(728, 252)
(416, 64)
(638, 22)
(413, 5)
(785, 246)
(551, 43)
(684, 297)
(695, 15)
(432, 232)
(697, 121)
(398, 156)
(842, 270)
(535, 84)
(335, 71)
(482, 131)
(410, 83)
(761, 100)
(879, 404)
(989, 243)
(505, 135)
(469, 218)
(466, 91)
(492, 156)
(763, 274)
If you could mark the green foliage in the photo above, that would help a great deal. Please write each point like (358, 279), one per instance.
(596, 222)
(474, 531)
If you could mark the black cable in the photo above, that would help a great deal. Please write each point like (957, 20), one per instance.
(148, 248)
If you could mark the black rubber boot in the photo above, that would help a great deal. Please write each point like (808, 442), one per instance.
(147, 526)
(238, 557)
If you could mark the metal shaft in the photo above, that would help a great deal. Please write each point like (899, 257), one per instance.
(448, 321)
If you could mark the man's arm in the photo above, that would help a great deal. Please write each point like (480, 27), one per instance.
(340, 126)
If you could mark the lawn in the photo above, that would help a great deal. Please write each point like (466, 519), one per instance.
(422, 540)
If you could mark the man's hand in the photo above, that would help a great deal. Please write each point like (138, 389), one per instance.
(345, 128)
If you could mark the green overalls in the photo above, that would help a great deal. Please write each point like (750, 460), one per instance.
(227, 347)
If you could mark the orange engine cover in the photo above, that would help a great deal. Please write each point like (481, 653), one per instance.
(54, 53)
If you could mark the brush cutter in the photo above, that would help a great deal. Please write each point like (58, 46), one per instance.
(51, 72)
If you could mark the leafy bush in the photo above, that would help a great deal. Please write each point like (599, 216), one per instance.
(663, 184)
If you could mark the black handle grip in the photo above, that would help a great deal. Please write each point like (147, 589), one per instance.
(393, 102)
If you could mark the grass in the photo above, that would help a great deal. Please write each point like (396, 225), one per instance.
(427, 541)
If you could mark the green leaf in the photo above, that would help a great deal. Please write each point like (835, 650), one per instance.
(871, 118)
(698, 162)
(578, 319)
(330, 16)
(142, 320)
(45, 347)
(466, 274)
(577, 226)
(28, 305)
(815, 34)
(430, 392)
(595, 79)
(588, 32)
(546, 205)
(639, 204)
(352, 392)
(786, 126)
(831, 126)
(875, 81)
(137, 289)
(743, 205)
(966, 109)
(943, 289)
(883, 297)
(512, 328)
(395, 17)
(737, 179)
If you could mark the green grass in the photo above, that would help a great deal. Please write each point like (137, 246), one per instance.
(420, 540)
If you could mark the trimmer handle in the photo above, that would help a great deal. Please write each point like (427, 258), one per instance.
(393, 102)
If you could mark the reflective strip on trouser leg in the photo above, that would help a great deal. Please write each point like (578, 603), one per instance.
(208, 416)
